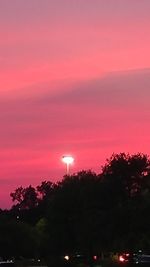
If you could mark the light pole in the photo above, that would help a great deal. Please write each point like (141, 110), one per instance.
(68, 160)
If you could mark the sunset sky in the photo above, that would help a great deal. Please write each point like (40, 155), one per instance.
(74, 79)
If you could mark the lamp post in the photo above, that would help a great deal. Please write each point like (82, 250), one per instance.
(68, 160)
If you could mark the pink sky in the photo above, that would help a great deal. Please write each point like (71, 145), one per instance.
(74, 78)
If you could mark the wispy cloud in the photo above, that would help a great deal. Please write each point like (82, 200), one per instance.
(86, 105)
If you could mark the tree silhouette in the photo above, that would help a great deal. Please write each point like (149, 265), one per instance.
(91, 212)
(26, 198)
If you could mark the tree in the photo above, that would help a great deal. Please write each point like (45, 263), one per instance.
(26, 198)
(41, 238)
(18, 195)
(45, 189)
(126, 179)
(129, 174)
(91, 212)
(16, 238)
(73, 214)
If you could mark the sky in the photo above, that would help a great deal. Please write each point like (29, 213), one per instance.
(74, 79)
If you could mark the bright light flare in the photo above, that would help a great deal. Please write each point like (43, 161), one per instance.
(66, 257)
(121, 258)
(68, 159)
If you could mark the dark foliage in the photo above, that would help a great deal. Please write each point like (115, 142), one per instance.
(85, 212)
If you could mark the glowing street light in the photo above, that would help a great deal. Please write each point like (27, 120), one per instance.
(68, 160)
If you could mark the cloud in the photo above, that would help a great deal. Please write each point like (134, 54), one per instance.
(5, 182)
(85, 105)
(116, 89)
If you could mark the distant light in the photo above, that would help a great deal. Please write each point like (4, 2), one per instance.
(68, 159)
(66, 257)
(95, 257)
(121, 258)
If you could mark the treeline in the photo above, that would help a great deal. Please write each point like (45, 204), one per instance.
(85, 212)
